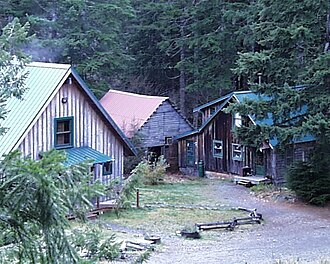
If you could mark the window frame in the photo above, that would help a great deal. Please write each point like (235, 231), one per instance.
(213, 109)
(107, 171)
(237, 120)
(240, 158)
(190, 152)
(215, 149)
(168, 141)
(57, 133)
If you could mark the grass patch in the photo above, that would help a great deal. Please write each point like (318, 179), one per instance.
(263, 188)
(168, 220)
(272, 192)
(188, 192)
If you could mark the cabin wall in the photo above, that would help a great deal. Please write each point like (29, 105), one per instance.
(188, 154)
(219, 129)
(89, 128)
(283, 159)
(165, 122)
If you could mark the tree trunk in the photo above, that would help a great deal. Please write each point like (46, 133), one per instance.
(182, 88)
(327, 44)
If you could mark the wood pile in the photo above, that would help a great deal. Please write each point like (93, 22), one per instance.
(138, 245)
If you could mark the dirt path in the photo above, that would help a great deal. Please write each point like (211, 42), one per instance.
(289, 233)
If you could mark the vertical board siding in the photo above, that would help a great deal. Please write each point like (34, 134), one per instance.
(89, 128)
(164, 122)
(282, 160)
(220, 128)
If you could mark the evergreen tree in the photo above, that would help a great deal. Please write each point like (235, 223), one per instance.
(290, 72)
(291, 39)
(189, 47)
(87, 34)
(12, 61)
(36, 196)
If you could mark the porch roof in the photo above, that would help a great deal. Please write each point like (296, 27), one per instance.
(81, 154)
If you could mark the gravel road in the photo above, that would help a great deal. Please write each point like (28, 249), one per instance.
(290, 233)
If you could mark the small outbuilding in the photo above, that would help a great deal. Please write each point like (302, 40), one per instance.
(154, 119)
(215, 146)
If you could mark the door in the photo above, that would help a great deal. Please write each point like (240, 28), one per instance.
(260, 163)
(190, 153)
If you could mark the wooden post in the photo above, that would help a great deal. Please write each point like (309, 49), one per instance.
(137, 198)
(98, 203)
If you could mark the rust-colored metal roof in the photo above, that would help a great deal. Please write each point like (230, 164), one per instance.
(130, 111)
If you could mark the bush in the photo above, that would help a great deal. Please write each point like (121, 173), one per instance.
(128, 190)
(94, 245)
(311, 180)
(152, 172)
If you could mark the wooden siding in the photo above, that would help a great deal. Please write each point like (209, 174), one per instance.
(220, 128)
(164, 122)
(89, 128)
(281, 160)
(269, 162)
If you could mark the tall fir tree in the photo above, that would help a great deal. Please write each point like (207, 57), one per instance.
(88, 34)
(290, 38)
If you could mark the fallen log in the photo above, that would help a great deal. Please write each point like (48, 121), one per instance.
(230, 225)
(253, 212)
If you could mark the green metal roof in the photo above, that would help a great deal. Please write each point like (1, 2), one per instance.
(81, 154)
(43, 81)
(240, 96)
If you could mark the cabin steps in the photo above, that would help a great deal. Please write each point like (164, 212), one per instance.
(245, 183)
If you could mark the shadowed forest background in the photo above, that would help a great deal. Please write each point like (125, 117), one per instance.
(192, 51)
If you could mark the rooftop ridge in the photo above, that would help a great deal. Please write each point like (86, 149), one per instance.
(139, 95)
(48, 65)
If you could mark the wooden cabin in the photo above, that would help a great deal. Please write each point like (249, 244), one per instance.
(59, 111)
(155, 119)
(216, 146)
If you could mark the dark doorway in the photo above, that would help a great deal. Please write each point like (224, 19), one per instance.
(260, 163)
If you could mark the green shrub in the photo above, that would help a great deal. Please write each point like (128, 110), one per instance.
(311, 180)
(128, 190)
(94, 245)
(156, 171)
(151, 172)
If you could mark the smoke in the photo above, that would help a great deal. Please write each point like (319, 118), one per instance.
(44, 51)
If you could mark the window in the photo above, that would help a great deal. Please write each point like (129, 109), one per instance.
(237, 120)
(63, 132)
(217, 149)
(107, 168)
(237, 151)
(213, 110)
(190, 153)
(168, 140)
